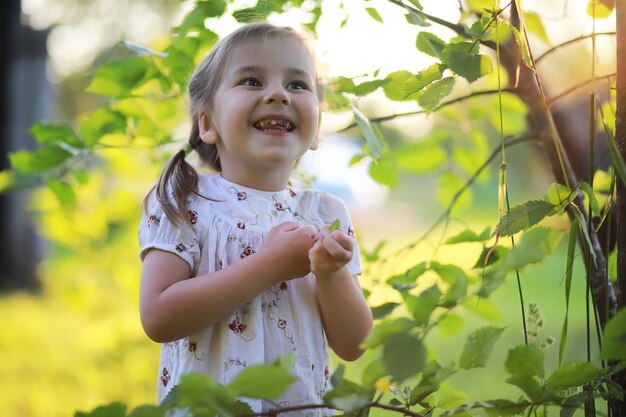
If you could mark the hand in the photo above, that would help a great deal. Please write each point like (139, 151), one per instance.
(288, 244)
(331, 252)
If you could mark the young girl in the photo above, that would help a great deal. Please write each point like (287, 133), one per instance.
(239, 268)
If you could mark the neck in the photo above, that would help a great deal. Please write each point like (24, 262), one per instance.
(270, 180)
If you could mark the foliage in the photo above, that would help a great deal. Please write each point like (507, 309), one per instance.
(403, 374)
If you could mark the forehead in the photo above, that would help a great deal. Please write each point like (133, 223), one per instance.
(272, 53)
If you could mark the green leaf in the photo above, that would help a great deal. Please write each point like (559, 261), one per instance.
(368, 87)
(423, 306)
(387, 328)
(416, 83)
(481, 29)
(194, 20)
(404, 356)
(407, 280)
(479, 6)
(384, 171)
(335, 225)
(383, 310)
(533, 247)
(52, 133)
(429, 44)
(618, 161)
(479, 346)
(614, 340)
(525, 360)
(417, 19)
(495, 255)
(203, 396)
(468, 235)
(141, 50)
(40, 160)
(374, 14)
(394, 86)
(559, 196)
(148, 410)
(524, 216)
(573, 374)
(116, 409)
(372, 136)
(252, 381)
(583, 229)
(528, 384)
(603, 8)
(372, 372)
(456, 279)
(64, 191)
(596, 210)
(534, 25)
(117, 78)
(431, 96)
(524, 50)
(100, 123)
(462, 58)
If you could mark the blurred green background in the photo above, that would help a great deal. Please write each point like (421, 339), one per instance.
(70, 339)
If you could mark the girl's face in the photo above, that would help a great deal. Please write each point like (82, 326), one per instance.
(265, 113)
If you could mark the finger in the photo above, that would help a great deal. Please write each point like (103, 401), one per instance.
(288, 226)
(336, 250)
(347, 242)
(309, 230)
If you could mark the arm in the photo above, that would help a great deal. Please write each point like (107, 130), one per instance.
(346, 316)
(173, 305)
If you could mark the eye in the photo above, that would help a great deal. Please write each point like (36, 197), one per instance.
(251, 82)
(298, 85)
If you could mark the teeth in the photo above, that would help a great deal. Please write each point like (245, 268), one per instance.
(264, 124)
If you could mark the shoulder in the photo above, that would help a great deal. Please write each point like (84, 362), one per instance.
(328, 206)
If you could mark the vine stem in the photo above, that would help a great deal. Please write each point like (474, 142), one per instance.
(418, 112)
(569, 42)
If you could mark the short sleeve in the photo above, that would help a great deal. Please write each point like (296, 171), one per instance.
(332, 209)
(156, 231)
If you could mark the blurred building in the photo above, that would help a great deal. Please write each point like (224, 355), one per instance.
(24, 98)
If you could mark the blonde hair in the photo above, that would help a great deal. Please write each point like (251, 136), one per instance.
(179, 179)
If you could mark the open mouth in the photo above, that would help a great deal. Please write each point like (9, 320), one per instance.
(276, 125)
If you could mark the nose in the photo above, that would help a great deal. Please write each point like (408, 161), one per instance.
(276, 94)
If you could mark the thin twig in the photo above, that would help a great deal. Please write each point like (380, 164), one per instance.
(569, 42)
(416, 112)
(458, 29)
(551, 100)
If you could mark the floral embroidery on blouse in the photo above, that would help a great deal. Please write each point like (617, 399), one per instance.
(238, 326)
(165, 377)
(153, 219)
(270, 308)
(193, 216)
(193, 347)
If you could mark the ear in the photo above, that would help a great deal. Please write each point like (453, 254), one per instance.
(315, 144)
(208, 133)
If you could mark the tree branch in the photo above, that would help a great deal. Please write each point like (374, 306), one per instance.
(442, 105)
(569, 42)
(551, 100)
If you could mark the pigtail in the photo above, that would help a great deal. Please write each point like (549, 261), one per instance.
(177, 181)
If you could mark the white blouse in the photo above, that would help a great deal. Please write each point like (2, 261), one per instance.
(283, 319)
